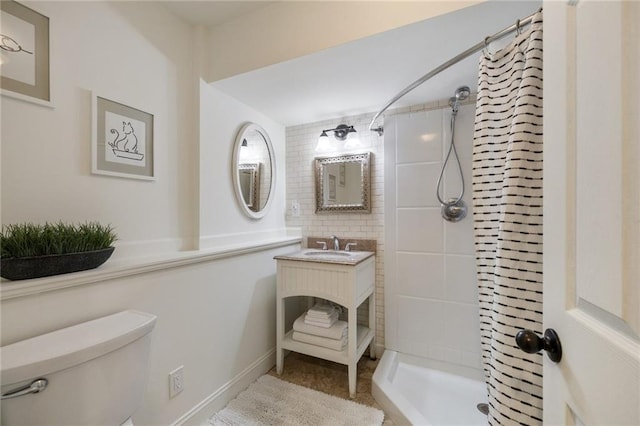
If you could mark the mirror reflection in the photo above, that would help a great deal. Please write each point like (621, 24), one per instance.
(253, 169)
(343, 183)
(249, 175)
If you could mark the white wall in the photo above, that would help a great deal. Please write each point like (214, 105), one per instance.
(215, 317)
(221, 117)
(431, 300)
(134, 53)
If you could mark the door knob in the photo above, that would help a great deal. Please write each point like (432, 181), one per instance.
(531, 343)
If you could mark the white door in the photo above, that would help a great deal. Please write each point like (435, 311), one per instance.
(592, 211)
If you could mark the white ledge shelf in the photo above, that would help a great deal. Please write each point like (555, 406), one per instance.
(115, 269)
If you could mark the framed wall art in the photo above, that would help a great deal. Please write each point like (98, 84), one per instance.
(24, 47)
(122, 140)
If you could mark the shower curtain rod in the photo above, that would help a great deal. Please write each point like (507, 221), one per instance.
(470, 51)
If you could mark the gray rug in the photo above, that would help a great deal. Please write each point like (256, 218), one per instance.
(271, 401)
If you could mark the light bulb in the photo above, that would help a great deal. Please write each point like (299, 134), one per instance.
(353, 141)
(323, 143)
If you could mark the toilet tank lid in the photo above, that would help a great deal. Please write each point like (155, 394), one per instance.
(64, 348)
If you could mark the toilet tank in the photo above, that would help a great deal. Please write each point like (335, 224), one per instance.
(96, 372)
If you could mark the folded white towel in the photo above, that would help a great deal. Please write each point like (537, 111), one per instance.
(321, 322)
(337, 331)
(321, 316)
(322, 310)
(336, 345)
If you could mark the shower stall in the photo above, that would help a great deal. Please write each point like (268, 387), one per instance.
(431, 367)
(458, 289)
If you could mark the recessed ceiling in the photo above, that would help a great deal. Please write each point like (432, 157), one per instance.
(361, 76)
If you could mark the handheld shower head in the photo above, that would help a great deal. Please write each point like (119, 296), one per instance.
(460, 95)
(453, 103)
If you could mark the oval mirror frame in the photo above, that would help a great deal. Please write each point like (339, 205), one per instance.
(248, 185)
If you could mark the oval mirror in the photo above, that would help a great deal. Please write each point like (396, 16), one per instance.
(253, 169)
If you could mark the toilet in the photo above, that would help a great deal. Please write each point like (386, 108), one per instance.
(95, 373)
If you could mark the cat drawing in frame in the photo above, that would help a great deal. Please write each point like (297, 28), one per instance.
(125, 144)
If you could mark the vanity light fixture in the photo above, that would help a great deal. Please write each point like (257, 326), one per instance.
(341, 133)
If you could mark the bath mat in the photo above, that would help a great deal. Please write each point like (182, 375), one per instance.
(271, 401)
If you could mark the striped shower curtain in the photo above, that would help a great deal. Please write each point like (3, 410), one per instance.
(507, 215)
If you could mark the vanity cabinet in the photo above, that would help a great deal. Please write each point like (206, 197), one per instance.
(347, 281)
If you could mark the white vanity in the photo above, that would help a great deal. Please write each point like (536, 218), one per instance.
(346, 278)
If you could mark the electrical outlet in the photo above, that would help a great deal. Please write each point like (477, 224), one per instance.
(295, 209)
(176, 381)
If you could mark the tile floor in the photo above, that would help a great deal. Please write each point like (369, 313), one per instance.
(330, 377)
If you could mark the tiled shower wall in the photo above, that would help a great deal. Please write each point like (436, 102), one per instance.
(301, 141)
(430, 286)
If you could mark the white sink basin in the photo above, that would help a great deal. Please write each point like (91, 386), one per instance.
(328, 256)
(327, 253)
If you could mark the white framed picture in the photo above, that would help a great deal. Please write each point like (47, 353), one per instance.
(122, 140)
(24, 53)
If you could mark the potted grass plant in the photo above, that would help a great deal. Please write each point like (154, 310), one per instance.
(32, 251)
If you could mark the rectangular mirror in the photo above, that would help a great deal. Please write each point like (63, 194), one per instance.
(343, 183)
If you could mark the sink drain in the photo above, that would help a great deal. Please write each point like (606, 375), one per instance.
(483, 408)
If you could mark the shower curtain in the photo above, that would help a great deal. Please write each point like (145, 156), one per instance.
(507, 215)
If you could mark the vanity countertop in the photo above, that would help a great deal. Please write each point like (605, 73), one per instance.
(327, 256)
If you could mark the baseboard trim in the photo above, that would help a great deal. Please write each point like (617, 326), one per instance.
(218, 399)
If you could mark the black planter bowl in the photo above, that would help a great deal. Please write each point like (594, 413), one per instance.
(22, 268)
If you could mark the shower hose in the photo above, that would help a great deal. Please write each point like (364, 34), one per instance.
(452, 148)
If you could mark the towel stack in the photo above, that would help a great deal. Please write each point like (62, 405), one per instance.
(320, 326)
(322, 315)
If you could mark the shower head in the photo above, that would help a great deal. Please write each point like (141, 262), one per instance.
(461, 94)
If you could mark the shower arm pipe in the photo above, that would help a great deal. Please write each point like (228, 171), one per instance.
(470, 51)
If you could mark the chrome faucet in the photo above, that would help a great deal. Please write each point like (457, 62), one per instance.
(336, 242)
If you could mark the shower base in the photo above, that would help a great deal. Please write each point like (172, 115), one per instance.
(417, 391)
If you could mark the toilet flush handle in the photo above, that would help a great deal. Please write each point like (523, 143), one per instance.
(36, 386)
